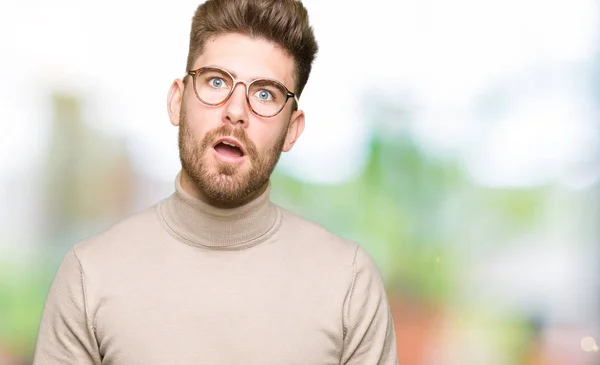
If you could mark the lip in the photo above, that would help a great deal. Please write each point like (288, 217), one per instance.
(232, 141)
(226, 159)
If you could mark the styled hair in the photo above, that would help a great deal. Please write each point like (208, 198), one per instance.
(283, 22)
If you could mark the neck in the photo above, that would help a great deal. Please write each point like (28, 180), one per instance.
(196, 221)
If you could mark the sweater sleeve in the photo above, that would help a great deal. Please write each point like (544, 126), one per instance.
(65, 334)
(369, 336)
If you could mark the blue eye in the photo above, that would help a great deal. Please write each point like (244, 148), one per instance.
(264, 95)
(216, 82)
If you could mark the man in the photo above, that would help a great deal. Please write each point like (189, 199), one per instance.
(216, 273)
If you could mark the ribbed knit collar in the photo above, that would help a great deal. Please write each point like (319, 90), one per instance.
(198, 223)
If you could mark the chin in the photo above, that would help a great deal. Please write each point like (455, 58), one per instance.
(229, 169)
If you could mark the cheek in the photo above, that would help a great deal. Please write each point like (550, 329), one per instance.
(268, 136)
(201, 120)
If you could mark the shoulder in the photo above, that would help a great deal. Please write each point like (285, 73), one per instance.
(313, 237)
(125, 237)
(313, 243)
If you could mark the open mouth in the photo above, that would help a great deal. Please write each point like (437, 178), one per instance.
(229, 149)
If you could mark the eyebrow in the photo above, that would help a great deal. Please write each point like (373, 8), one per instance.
(235, 75)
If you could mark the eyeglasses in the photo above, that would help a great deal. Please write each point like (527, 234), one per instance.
(213, 86)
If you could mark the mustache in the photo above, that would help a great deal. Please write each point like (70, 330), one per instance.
(227, 130)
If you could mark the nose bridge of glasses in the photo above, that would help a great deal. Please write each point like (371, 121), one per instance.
(245, 87)
(246, 84)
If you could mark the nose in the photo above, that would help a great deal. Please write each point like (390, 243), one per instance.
(236, 108)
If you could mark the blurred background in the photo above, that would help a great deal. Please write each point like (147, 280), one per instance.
(458, 142)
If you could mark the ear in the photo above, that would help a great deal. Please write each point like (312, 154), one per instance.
(174, 101)
(295, 129)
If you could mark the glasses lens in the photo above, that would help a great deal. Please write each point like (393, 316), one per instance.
(267, 97)
(213, 85)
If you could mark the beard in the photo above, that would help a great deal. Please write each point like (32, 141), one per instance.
(222, 183)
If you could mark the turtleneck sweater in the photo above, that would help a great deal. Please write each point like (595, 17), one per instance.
(184, 282)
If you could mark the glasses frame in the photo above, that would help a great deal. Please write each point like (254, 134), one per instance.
(194, 74)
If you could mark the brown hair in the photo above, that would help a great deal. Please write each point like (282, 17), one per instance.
(283, 22)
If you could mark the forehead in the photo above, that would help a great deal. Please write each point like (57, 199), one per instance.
(248, 58)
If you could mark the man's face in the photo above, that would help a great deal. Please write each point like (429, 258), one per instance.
(212, 169)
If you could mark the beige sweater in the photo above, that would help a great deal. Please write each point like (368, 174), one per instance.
(185, 283)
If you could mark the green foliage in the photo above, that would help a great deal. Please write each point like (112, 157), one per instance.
(22, 295)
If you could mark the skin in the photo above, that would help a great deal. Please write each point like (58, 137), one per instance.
(204, 174)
